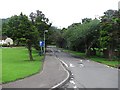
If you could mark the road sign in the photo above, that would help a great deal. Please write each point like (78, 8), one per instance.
(41, 43)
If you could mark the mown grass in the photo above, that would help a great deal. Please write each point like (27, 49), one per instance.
(113, 63)
(16, 64)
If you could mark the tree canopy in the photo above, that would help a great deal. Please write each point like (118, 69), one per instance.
(27, 31)
(101, 35)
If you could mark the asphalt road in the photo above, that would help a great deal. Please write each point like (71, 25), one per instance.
(86, 73)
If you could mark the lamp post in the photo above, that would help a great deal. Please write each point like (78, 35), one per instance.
(119, 5)
(44, 39)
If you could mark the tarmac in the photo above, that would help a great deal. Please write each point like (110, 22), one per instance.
(52, 75)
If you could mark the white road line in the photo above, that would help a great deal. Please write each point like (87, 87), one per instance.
(71, 81)
(112, 67)
(81, 65)
(81, 60)
(71, 65)
(75, 87)
(64, 63)
(71, 78)
(65, 78)
(107, 66)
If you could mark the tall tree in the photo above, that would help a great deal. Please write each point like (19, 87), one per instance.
(109, 32)
(21, 29)
(41, 23)
(82, 36)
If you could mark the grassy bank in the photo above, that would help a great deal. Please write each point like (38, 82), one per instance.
(16, 64)
(113, 63)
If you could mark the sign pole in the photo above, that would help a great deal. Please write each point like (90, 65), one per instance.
(41, 51)
(44, 42)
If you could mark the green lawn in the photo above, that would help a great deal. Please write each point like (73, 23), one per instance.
(16, 64)
(113, 63)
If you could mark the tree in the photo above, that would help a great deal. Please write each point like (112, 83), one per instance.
(109, 33)
(42, 23)
(22, 30)
(82, 37)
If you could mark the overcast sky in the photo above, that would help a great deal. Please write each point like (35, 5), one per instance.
(61, 13)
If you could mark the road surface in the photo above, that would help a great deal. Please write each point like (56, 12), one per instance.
(86, 73)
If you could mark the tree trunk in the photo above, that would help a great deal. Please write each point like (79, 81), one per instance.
(17, 43)
(87, 48)
(87, 51)
(110, 53)
(30, 52)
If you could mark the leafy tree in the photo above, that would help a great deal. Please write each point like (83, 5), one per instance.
(21, 29)
(52, 35)
(86, 20)
(41, 23)
(118, 32)
(109, 33)
(82, 37)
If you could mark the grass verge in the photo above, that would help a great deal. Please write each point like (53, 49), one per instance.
(113, 63)
(16, 64)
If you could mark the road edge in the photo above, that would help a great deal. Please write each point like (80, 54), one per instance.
(64, 65)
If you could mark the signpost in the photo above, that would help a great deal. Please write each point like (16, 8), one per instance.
(41, 43)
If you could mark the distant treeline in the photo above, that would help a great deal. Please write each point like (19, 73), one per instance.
(100, 36)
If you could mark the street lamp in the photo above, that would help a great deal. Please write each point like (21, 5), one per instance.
(44, 39)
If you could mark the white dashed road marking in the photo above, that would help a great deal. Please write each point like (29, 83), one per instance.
(71, 65)
(81, 65)
(107, 66)
(71, 81)
(75, 87)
